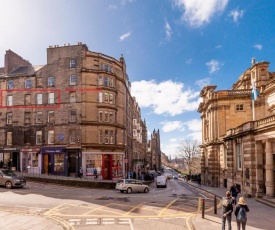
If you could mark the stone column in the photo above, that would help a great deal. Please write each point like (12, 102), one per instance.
(269, 183)
(259, 169)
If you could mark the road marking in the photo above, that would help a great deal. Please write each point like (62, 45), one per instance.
(91, 221)
(167, 206)
(108, 221)
(135, 207)
(74, 221)
(129, 222)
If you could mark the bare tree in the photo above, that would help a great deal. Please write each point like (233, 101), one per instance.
(189, 153)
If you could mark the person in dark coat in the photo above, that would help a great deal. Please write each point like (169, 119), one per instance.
(227, 210)
(134, 175)
(234, 192)
(240, 204)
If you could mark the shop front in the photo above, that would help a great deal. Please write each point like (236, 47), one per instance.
(30, 160)
(107, 166)
(10, 158)
(73, 158)
(54, 161)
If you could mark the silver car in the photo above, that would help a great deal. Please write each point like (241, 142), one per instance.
(10, 180)
(131, 185)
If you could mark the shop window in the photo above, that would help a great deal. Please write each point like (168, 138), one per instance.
(93, 161)
(51, 137)
(117, 166)
(59, 162)
(38, 137)
(9, 138)
(9, 118)
(33, 159)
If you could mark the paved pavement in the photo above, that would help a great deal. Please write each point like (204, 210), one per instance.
(260, 216)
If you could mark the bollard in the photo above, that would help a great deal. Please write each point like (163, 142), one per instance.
(199, 204)
(215, 204)
(203, 207)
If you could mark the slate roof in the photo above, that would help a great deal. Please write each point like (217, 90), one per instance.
(25, 70)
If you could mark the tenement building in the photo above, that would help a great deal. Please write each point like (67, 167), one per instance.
(238, 133)
(75, 111)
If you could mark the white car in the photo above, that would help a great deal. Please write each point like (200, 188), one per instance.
(131, 185)
(161, 181)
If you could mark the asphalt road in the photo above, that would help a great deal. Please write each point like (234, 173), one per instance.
(82, 208)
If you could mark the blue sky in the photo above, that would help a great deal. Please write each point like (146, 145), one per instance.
(172, 48)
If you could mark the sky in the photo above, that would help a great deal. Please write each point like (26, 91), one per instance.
(172, 48)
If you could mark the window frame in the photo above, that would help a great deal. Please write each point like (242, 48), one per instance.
(73, 80)
(9, 100)
(50, 137)
(239, 160)
(51, 98)
(51, 81)
(72, 99)
(51, 118)
(28, 83)
(72, 63)
(9, 118)
(38, 100)
(10, 85)
(38, 115)
(73, 116)
(9, 138)
(239, 107)
(26, 101)
(38, 134)
(72, 136)
(27, 117)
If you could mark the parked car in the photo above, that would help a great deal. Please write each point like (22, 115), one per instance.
(10, 180)
(161, 181)
(176, 177)
(131, 185)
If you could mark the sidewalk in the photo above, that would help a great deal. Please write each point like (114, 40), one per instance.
(20, 221)
(260, 216)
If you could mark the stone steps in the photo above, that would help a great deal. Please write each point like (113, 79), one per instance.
(267, 200)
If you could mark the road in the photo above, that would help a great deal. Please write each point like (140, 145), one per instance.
(80, 208)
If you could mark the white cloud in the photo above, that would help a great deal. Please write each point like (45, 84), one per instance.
(154, 95)
(194, 125)
(196, 136)
(169, 126)
(236, 15)
(214, 66)
(124, 36)
(218, 47)
(203, 82)
(200, 12)
(258, 46)
(168, 30)
(173, 140)
(170, 149)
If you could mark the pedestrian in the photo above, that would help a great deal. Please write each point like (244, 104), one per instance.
(227, 209)
(234, 192)
(95, 174)
(80, 172)
(134, 175)
(199, 181)
(49, 168)
(9, 164)
(1, 164)
(130, 174)
(240, 213)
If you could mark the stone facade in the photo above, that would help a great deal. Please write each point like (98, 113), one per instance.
(237, 143)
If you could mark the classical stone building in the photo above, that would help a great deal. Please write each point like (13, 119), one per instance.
(154, 152)
(238, 144)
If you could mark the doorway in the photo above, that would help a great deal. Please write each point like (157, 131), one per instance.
(71, 164)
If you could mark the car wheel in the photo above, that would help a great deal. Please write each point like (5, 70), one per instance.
(157, 186)
(129, 190)
(121, 191)
(8, 185)
(146, 190)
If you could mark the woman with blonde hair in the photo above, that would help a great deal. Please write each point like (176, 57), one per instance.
(240, 213)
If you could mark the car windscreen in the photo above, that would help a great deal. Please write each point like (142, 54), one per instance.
(8, 173)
